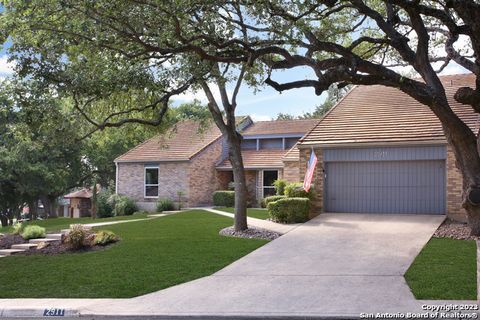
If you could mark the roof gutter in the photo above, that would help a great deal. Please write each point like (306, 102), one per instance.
(354, 144)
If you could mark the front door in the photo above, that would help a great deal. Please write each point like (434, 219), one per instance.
(269, 176)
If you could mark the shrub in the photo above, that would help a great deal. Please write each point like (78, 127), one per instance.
(17, 228)
(122, 205)
(76, 237)
(104, 207)
(280, 185)
(295, 190)
(224, 198)
(165, 205)
(33, 232)
(267, 200)
(104, 237)
(289, 210)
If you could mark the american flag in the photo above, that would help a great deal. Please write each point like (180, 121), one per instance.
(312, 163)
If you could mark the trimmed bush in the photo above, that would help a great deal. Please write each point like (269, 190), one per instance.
(289, 210)
(76, 237)
(224, 198)
(33, 232)
(165, 205)
(267, 200)
(122, 205)
(280, 185)
(104, 237)
(104, 208)
(295, 190)
(17, 228)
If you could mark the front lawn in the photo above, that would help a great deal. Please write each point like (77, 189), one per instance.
(152, 255)
(251, 212)
(57, 224)
(446, 269)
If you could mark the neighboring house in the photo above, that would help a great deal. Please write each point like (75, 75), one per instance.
(192, 159)
(380, 151)
(80, 203)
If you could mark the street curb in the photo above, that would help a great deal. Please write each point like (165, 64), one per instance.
(220, 317)
(18, 313)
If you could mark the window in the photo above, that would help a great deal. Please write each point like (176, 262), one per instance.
(249, 144)
(290, 142)
(268, 178)
(271, 143)
(151, 182)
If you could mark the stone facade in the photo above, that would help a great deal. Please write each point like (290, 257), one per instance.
(454, 189)
(251, 180)
(317, 181)
(454, 184)
(291, 171)
(203, 175)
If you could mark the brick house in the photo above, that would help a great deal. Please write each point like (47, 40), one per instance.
(380, 151)
(192, 159)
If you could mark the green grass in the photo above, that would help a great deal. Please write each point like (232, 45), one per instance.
(57, 224)
(446, 269)
(251, 212)
(152, 255)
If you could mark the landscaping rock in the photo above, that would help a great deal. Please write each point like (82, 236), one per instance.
(9, 252)
(455, 230)
(8, 240)
(42, 245)
(250, 233)
(25, 246)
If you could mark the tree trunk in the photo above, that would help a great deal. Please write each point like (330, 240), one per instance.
(465, 147)
(32, 209)
(473, 215)
(3, 220)
(240, 219)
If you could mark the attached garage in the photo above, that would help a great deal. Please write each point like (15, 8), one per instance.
(410, 180)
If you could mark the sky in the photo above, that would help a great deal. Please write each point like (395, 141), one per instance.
(265, 103)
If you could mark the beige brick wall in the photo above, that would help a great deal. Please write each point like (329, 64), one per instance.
(291, 171)
(173, 177)
(203, 178)
(251, 180)
(454, 189)
(317, 201)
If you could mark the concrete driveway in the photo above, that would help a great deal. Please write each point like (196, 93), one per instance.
(334, 265)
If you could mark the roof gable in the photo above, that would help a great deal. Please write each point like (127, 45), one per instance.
(180, 143)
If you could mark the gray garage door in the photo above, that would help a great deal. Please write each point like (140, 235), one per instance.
(386, 180)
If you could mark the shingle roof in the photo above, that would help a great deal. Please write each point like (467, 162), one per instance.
(253, 159)
(180, 143)
(383, 114)
(293, 154)
(280, 127)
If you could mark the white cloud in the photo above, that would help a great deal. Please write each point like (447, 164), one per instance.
(260, 117)
(191, 95)
(6, 67)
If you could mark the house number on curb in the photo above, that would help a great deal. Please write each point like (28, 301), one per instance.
(54, 312)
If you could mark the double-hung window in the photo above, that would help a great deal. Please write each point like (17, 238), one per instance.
(151, 182)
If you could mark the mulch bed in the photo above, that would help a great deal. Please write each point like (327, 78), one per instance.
(250, 233)
(455, 230)
(7, 240)
(56, 247)
(50, 248)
